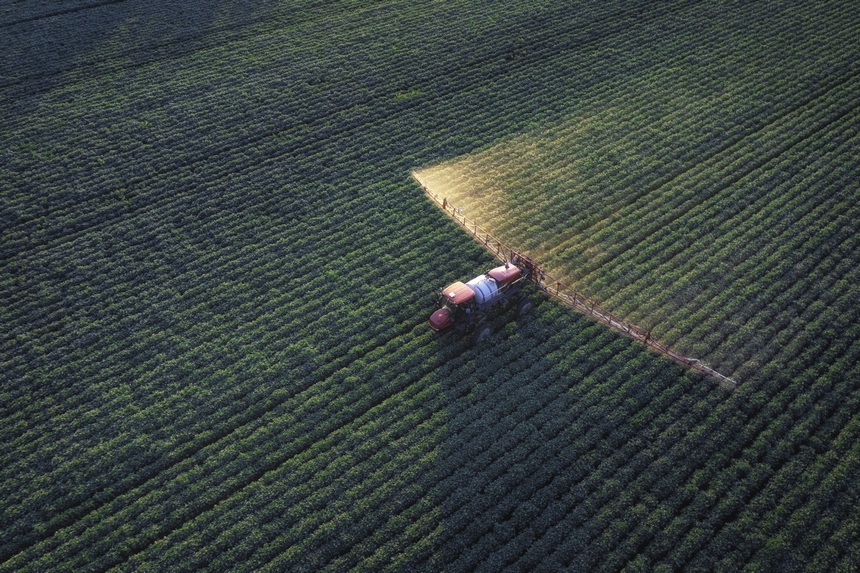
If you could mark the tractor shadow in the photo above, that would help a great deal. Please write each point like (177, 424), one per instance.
(540, 418)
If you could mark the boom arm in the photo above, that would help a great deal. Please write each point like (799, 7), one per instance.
(570, 296)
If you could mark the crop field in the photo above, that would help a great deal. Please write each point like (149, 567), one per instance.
(216, 272)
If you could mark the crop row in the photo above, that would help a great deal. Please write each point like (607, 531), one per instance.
(712, 178)
(763, 458)
(355, 202)
(655, 210)
(383, 301)
(214, 294)
(501, 450)
(777, 296)
(302, 425)
(125, 40)
(676, 500)
(724, 220)
(173, 153)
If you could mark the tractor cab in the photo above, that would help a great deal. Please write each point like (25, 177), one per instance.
(454, 305)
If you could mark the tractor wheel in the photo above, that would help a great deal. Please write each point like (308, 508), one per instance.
(481, 333)
(525, 306)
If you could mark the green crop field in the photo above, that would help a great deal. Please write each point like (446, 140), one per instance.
(216, 272)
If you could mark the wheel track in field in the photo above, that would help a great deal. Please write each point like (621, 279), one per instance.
(385, 112)
(256, 475)
(57, 13)
(215, 36)
(496, 454)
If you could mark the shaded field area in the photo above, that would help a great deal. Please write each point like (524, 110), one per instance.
(217, 270)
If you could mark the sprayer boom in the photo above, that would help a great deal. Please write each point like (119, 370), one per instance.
(569, 296)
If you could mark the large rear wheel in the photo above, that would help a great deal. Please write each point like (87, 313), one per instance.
(481, 333)
(525, 306)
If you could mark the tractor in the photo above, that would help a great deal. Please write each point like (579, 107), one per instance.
(469, 308)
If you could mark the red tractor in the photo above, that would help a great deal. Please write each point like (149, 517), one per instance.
(470, 307)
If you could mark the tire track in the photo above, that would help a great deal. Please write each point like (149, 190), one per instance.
(58, 13)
